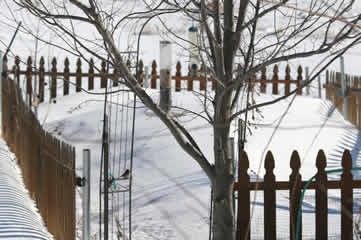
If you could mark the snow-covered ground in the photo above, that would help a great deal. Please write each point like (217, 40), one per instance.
(171, 194)
(19, 217)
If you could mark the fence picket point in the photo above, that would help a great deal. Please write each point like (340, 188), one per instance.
(243, 221)
(78, 76)
(153, 84)
(346, 197)
(321, 197)
(295, 194)
(53, 83)
(91, 75)
(41, 79)
(269, 198)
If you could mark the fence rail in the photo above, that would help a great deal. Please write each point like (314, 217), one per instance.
(53, 76)
(295, 184)
(47, 164)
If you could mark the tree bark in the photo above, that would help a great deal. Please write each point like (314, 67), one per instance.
(223, 210)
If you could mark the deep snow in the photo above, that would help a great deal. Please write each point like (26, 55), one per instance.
(171, 193)
(19, 217)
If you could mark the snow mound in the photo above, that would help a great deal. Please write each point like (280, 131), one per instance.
(19, 217)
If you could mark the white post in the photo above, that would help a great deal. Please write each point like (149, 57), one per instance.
(343, 88)
(86, 194)
(165, 76)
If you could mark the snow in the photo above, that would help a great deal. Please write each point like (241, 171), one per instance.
(19, 217)
(171, 194)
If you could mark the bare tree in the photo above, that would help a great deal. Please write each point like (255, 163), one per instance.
(248, 34)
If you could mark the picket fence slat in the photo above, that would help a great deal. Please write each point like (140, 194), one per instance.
(243, 224)
(346, 198)
(321, 197)
(269, 199)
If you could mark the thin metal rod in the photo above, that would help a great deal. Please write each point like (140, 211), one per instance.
(86, 194)
(106, 180)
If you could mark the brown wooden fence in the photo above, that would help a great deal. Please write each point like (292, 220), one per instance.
(295, 185)
(353, 93)
(47, 164)
(53, 76)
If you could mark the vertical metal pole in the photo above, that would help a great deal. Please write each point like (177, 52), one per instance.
(343, 87)
(86, 194)
(307, 79)
(105, 176)
(319, 86)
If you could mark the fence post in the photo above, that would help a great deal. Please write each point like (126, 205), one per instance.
(346, 198)
(343, 88)
(321, 197)
(202, 78)
(295, 194)
(78, 75)
(103, 79)
(307, 79)
(91, 75)
(243, 208)
(140, 72)
(66, 77)
(269, 199)
(299, 80)
(29, 87)
(153, 84)
(53, 79)
(263, 78)
(86, 194)
(275, 80)
(178, 74)
(288, 78)
(41, 79)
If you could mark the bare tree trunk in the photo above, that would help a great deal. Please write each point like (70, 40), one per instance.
(223, 213)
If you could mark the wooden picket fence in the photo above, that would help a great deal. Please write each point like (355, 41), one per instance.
(353, 93)
(269, 186)
(47, 164)
(53, 76)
